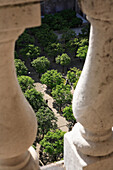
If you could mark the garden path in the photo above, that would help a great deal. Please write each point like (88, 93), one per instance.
(62, 123)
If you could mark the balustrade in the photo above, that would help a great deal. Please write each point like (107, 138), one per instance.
(18, 125)
(89, 145)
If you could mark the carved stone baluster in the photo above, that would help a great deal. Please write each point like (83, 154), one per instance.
(89, 145)
(18, 125)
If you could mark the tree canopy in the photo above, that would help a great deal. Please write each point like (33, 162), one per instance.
(73, 75)
(30, 51)
(41, 64)
(68, 114)
(82, 52)
(35, 99)
(72, 46)
(25, 82)
(54, 49)
(51, 78)
(62, 95)
(21, 69)
(46, 121)
(52, 144)
(63, 60)
(24, 40)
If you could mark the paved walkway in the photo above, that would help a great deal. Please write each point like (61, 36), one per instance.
(62, 123)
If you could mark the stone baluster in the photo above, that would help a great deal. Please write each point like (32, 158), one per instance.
(89, 145)
(18, 125)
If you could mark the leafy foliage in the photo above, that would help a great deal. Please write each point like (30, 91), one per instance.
(46, 121)
(35, 98)
(30, 51)
(62, 95)
(55, 22)
(63, 60)
(54, 49)
(83, 42)
(16, 55)
(82, 52)
(73, 75)
(72, 45)
(68, 14)
(25, 82)
(21, 69)
(24, 40)
(67, 35)
(65, 18)
(45, 37)
(51, 78)
(68, 114)
(75, 22)
(52, 144)
(41, 64)
(85, 32)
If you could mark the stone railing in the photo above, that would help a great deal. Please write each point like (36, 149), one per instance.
(89, 145)
(18, 124)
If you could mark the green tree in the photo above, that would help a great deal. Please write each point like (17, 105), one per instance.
(63, 60)
(41, 64)
(83, 42)
(46, 121)
(51, 78)
(62, 95)
(85, 31)
(35, 98)
(46, 37)
(68, 14)
(52, 144)
(25, 82)
(21, 69)
(24, 40)
(54, 49)
(73, 75)
(30, 51)
(68, 114)
(72, 46)
(75, 22)
(67, 35)
(82, 52)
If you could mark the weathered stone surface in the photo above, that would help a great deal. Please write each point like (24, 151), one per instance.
(52, 6)
(75, 160)
(15, 2)
(18, 17)
(93, 97)
(18, 124)
(54, 166)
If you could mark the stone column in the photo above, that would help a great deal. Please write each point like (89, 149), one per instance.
(18, 124)
(89, 146)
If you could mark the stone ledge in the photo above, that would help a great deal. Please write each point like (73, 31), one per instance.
(54, 166)
(14, 2)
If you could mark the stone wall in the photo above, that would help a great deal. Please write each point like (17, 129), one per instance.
(52, 6)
